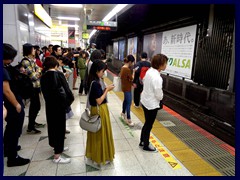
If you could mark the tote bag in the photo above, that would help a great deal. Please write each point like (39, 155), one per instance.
(117, 84)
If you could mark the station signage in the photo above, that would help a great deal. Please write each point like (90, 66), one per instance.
(102, 25)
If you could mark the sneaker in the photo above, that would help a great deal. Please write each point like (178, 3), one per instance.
(18, 161)
(150, 148)
(66, 148)
(61, 160)
(130, 123)
(67, 132)
(38, 125)
(5, 151)
(33, 131)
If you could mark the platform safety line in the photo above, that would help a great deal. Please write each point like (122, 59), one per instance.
(126, 126)
(170, 160)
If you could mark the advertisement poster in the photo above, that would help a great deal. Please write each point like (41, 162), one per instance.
(121, 49)
(152, 44)
(178, 45)
(115, 50)
(132, 47)
(71, 36)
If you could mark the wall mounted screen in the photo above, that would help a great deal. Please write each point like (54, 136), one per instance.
(121, 49)
(115, 50)
(152, 44)
(132, 47)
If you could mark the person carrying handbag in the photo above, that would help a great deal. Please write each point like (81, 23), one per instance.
(100, 146)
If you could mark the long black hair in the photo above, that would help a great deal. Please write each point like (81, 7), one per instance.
(97, 66)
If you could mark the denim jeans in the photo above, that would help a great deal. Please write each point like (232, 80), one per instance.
(127, 103)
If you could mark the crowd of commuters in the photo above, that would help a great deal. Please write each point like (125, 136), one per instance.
(53, 72)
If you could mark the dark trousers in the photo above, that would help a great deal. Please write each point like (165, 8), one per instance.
(13, 130)
(136, 95)
(150, 116)
(82, 86)
(34, 108)
(56, 120)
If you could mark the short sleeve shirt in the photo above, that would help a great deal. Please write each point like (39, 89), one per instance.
(6, 76)
(96, 92)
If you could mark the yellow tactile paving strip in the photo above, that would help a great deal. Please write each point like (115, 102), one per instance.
(191, 160)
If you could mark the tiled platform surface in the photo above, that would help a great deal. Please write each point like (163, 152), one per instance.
(175, 158)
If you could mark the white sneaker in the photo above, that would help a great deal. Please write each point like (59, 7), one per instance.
(62, 160)
(66, 148)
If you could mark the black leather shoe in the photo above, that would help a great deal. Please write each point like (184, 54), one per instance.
(18, 149)
(150, 148)
(19, 161)
(33, 131)
(141, 144)
(38, 125)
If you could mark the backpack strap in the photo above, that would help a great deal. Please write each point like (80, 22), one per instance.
(24, 60)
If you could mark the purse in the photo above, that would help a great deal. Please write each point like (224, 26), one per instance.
(88, 122)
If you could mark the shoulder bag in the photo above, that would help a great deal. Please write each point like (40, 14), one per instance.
(88, 122)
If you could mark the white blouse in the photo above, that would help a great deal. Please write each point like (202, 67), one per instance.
(152, 89)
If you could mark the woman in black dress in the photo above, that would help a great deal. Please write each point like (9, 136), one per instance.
(57, 95)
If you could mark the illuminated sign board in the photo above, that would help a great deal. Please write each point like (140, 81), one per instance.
(85, 35)
(40, 12)
(102, 25)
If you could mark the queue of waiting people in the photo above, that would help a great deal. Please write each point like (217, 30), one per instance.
(57, 68)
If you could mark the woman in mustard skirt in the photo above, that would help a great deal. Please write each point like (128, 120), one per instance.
(100, 147)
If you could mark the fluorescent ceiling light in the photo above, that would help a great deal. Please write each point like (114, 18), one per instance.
(69, 25)
(69, 5)
(91, 34)
(112, 13)
(69, 18)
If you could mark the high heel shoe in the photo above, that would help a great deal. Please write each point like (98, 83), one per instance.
(123, 115)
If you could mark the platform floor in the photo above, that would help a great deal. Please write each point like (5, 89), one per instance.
(184, 149)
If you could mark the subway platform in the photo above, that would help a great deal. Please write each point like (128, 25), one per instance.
(184, 149)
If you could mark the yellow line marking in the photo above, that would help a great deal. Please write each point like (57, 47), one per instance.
(171, 161)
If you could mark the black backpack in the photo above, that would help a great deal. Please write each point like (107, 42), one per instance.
(22, 82)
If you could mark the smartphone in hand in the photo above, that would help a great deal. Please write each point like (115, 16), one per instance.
(136, 68)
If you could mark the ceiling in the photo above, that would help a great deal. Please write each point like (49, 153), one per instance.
(93, 12)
